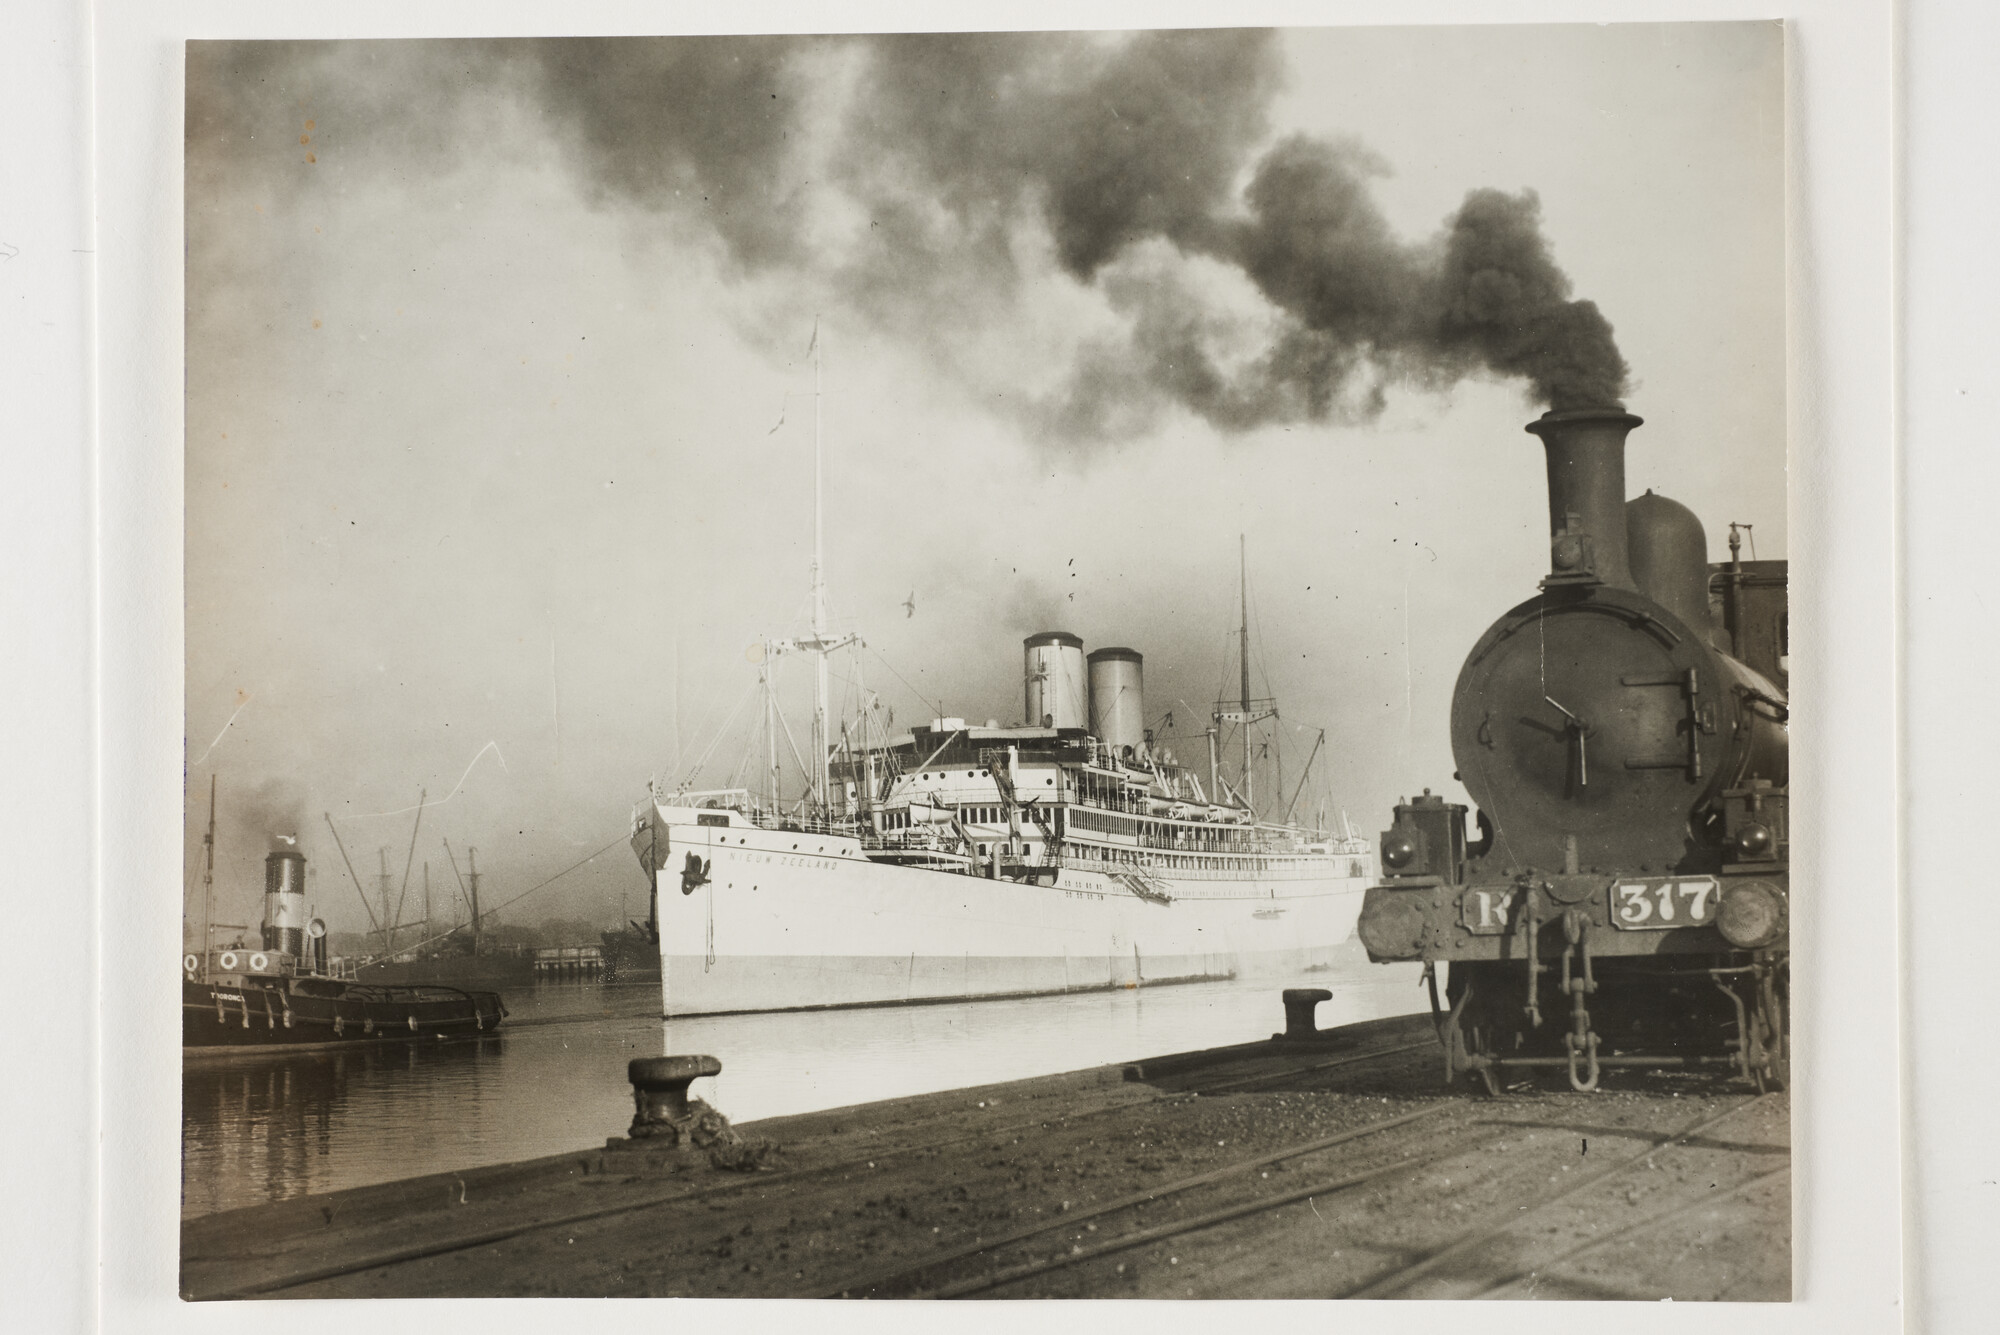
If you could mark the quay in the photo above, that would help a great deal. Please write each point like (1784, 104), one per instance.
(569, 961)
(1317, 1164)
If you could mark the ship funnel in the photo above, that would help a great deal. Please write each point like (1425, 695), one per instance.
(1118, 699)
(1586, 457)
(1053, 677)
(285, 903)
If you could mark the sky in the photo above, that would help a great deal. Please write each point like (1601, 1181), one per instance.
(500, 409)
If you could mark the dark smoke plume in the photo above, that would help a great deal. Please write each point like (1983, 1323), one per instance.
(698, 125)
(1486, 295)
(953, 144)
(937, 186)
(1504, 299)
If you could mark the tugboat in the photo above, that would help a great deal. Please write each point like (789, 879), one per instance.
(283, 994)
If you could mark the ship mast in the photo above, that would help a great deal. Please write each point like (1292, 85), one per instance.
(820, 775)
(1248, 712)
(1243, 657)
(820, 642)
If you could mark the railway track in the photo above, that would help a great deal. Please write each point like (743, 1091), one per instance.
(934, 1277)
(878, 1285)
(1651, 1223)
(1400, 1279)
(429, 1248)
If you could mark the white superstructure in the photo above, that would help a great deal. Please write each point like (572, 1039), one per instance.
(960, 862)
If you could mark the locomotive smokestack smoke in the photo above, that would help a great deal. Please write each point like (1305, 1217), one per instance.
(1504, 300)
(1586, 459)
(979, 162)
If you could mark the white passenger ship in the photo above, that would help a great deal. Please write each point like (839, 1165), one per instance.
(958, 862)
(953, 862)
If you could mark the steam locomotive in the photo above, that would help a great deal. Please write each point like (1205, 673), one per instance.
(1624, 899)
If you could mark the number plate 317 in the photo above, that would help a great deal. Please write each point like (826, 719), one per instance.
(1659, 904)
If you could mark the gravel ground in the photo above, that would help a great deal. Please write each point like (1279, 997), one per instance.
(1077, 1186)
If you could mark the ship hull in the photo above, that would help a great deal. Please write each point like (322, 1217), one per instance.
(791, 921)
(235, 1015)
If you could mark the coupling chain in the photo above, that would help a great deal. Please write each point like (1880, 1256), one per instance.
(1580, 1042)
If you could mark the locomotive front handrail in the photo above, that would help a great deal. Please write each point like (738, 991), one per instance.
(1755, 696)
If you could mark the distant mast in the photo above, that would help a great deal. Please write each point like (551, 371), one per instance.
(472, 893)
(208, 883)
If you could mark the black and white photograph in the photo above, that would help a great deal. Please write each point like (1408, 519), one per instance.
(1004, 665)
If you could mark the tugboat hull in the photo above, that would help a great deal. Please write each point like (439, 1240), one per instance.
(296, 1012)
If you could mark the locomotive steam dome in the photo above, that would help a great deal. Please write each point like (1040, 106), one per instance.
(1669, 554)
(1592, 722)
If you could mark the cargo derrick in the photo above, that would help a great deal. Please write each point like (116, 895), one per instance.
(1625, 901)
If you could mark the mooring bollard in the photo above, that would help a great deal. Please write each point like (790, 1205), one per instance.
(682, 1129)
(660, 1091)
(1300, 1003)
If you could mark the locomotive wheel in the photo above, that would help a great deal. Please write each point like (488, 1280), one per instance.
(1470, 1046)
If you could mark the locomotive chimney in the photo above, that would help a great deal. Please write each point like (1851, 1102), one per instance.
(1586, 454)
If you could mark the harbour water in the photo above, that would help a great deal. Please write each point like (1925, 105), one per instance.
(263, 1128)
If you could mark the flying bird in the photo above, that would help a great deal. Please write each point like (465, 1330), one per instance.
(910, 605)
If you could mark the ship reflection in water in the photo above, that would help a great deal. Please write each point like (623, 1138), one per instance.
(257, 1128)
